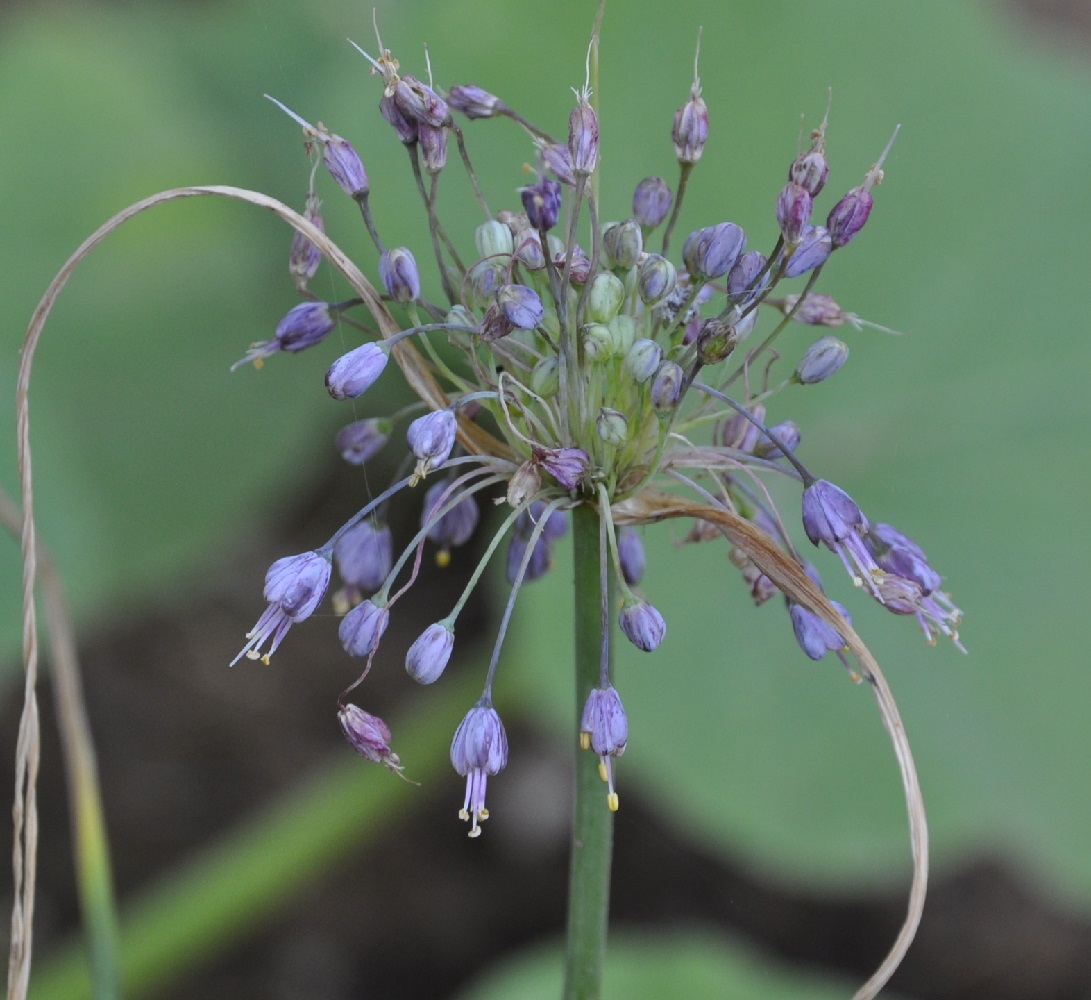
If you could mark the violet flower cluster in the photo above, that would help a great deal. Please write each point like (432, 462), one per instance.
(581, 364)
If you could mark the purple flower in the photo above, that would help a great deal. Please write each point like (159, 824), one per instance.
(540, 562)
(583, 136)
(399, 275)
(520, 305)
(643, 626)
(431, 439)
(479, 748)
(345, 166)
(364, 555)
(822, 359)
(813, 249)
(604, 729)
(831, 517)
(420, 103)
(363, 627)
(630, 553)
(354, 373)
(452, 528)
(433, 148)
(848, 216)
(559, 160)
(794, 206)
(815, 637)
(711, 252)
(690, 131)
(787, 433)
(567, 465)
(362, 439)
(742, 283)
(303, 326)
(651, 201)
(294, 587)
(407, 130)
(474, 102)
(542, 202)
(666, 391)
(555, 527)
(369, 736)
(428, 656)
(658, 278)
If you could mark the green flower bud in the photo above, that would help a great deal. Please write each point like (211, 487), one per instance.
(545, 379)
(612, 426)
(624, 243)
(605, 298)
(623, 331)
(493, 238)
(598, 341)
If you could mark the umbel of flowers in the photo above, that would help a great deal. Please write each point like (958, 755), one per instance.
(583, 362)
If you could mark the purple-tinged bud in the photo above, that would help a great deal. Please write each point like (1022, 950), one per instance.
(540, 562)
(583, 136)
(813, 249)
(479, 748)
(816, 310)
(364, 555)
(369, 736)
(643, 359)
(809, 169)
(848, 216)
(431, 439)
(474, 102)
(690, 131)
(816, 637)
(787, 433)
(742, 434)
(362, 628)
(433, 148)
(630, 553)
(794, 206)
(568, 466)
(658, 278)
(420, 103)
(651, 201)
(642, 624)
(559, 160)
(555, 527)
(451, 529)
(399, 275)
(528, 249)
(604, 729)
(303, 326)
(362, 439)
(345, 167)
(742, 279)
(821, 360)
(580, 267)
(428, 656)
(520, 305)
(605, 298)
(623, 243)
(407, 130)
(666, 391)
(711, 252)
(294, 587)
(542, 202)
(830, 515)
(354, 373)
(304, 257)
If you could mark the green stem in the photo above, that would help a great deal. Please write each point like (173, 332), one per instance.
(593, 823)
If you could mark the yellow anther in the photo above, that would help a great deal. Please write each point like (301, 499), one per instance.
(585, 741)
(603, 773)
(611, 802)
(443, 558)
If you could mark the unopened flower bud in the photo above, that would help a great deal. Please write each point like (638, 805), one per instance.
(605, 298)
(520, 305)
(427, 658)
(362, 628)
(643, 626)
(651, 201)
(848, 216)
(493, 239)
(690, 131)
(824, 357)
(364, 555)
(793, 211)
(624, 243)
(597, 341)
(667, 386)
(399, 275)
(406, 129)
(304, 257)
(711, 252)
(524, 483)
(630, 553)
(642, 361)
(658, 276)
(809, 169)
(454, 527)
(787, 433)
(556, 525)
(528, 249)
(354, 373)
(813, 249)
(539, 563)
(579, 264)
(612, 427)
(345, 167)
(742, 434)
(420, 103)
(542, 202)
(431, 439)
(567, 465)
(362, 439)
(545, 377)
(474, 102)
(583, 136)
(369, 736)
(433, 148)
(742, 279)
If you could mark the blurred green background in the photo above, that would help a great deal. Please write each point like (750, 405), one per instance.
(154, 464)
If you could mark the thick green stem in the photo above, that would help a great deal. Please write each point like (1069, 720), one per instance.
(592, 823)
